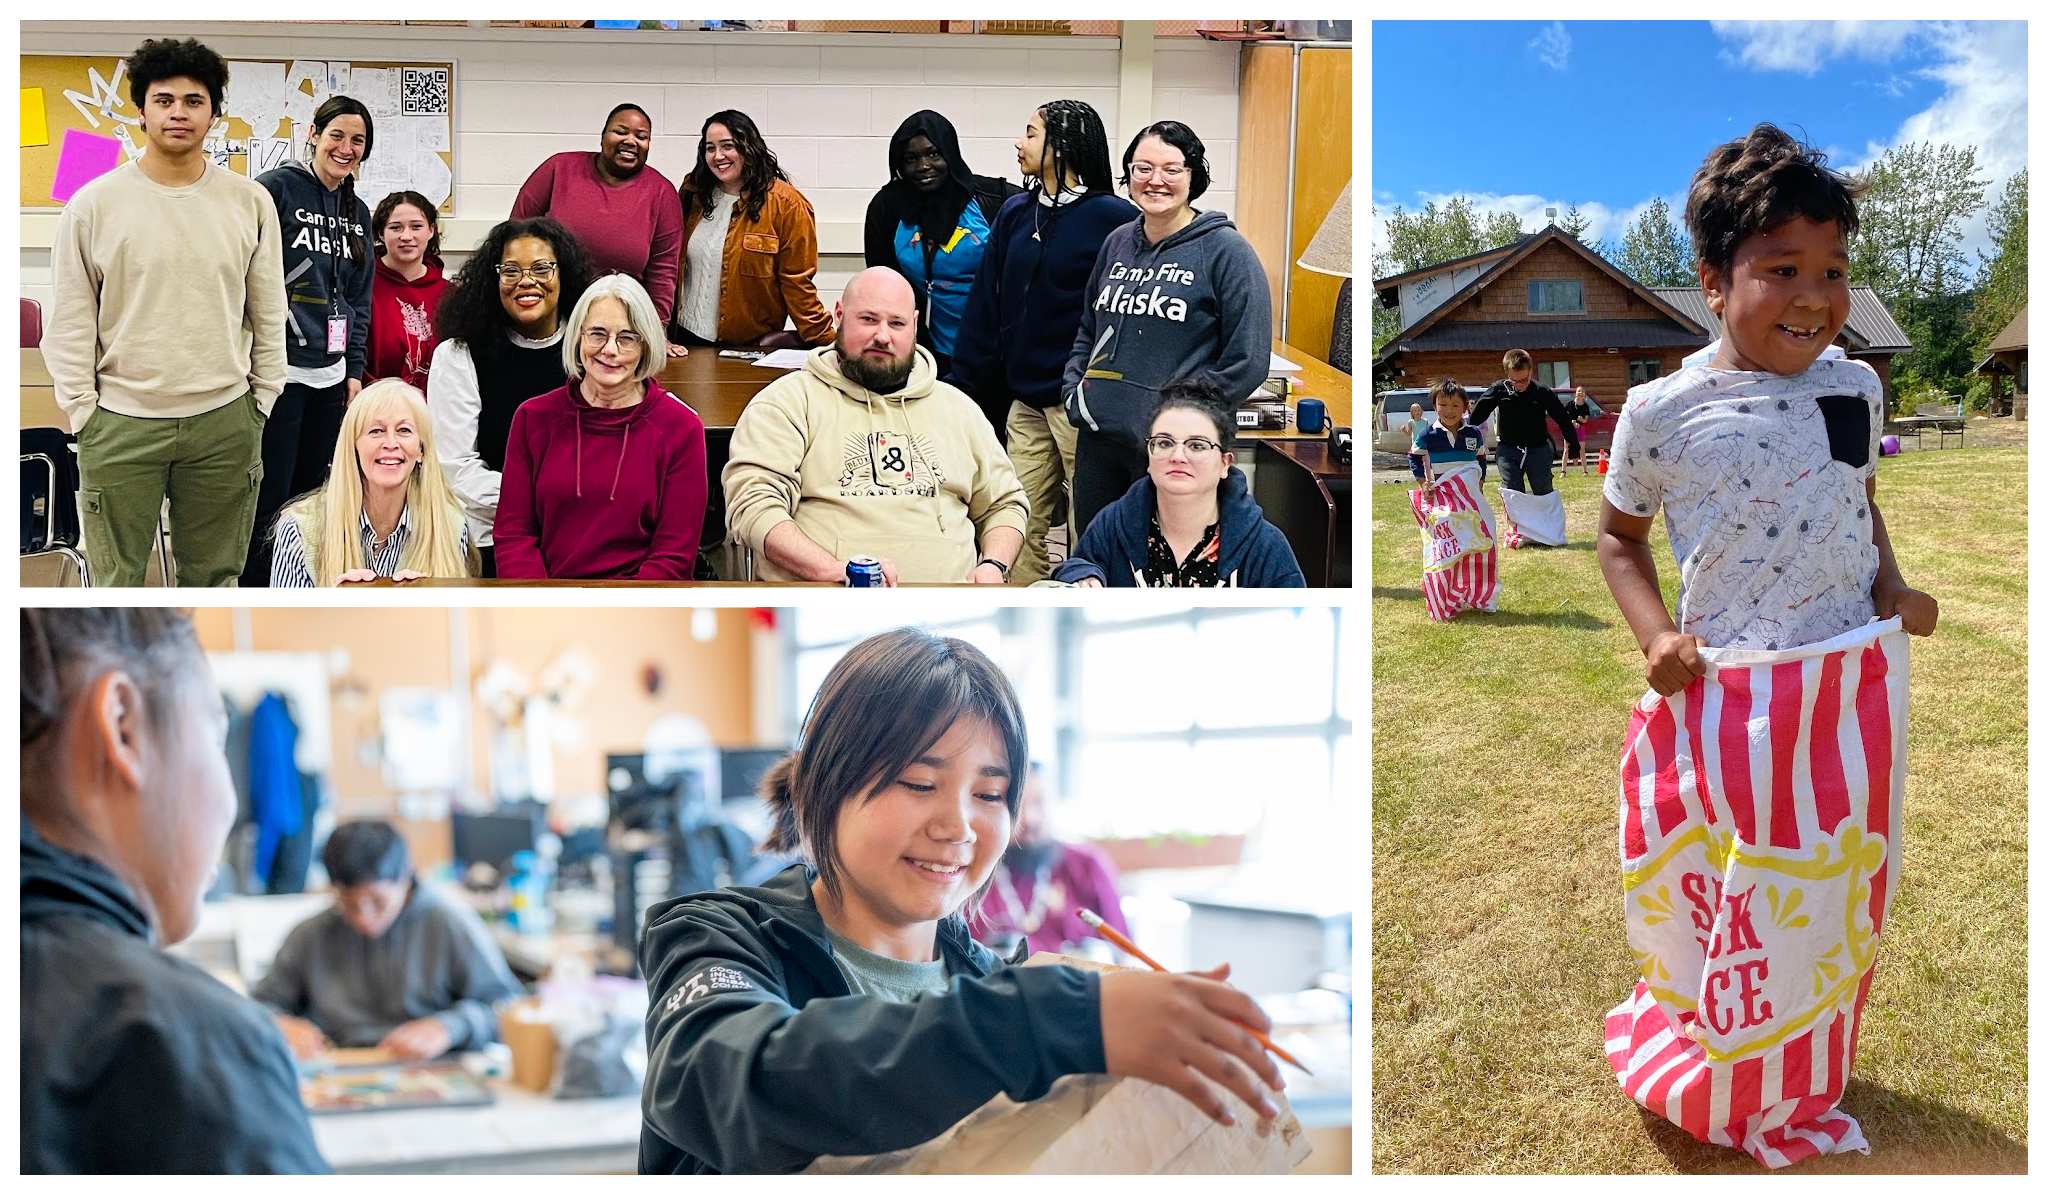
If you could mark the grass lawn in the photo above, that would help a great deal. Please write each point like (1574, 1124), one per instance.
(1497, 936)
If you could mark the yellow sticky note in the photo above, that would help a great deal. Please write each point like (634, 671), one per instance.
(35, 124)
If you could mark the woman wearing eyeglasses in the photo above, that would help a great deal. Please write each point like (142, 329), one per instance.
(604, 476)
(1190, 521)
(501, 344)
(1176, 293)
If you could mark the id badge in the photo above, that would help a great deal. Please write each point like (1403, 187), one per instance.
(337, 334)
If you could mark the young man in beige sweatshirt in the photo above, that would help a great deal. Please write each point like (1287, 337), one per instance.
(863, 452)
(166, 342)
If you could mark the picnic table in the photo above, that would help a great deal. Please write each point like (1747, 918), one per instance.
(1944, 425)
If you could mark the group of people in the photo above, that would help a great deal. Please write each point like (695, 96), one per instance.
(322, 404)
(1526, 453)
(846, 1006)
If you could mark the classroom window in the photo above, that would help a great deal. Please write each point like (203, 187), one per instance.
(1556, 296)
(1555, 374)
(1644, 369)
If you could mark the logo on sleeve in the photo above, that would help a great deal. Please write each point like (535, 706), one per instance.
(715, 978)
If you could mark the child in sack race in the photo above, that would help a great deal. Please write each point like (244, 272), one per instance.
(1766, 765)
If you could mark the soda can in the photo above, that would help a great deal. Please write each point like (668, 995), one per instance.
(864, 572)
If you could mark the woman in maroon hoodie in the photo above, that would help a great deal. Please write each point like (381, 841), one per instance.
(605, 477)
(406, 290)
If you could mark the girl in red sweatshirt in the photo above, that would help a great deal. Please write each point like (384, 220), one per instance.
(605, 477)
(406, 291)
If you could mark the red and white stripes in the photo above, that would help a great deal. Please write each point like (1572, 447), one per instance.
(1460, 569)
(1759, 836)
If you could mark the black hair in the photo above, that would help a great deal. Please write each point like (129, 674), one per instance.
(758, 166)
(1755, 184)
(390, 203)
(1204, 398)
(628, 107)
(1182, 138)
(1077, 141)
(333, 107)
(471, 311)
(885, 702)
(364, 853)
(164, 58)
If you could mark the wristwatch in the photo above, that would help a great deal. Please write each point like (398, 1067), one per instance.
(1000, 566)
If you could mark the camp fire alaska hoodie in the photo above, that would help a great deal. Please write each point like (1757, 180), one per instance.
(915, 477)
(1194, 305)
(325, 235)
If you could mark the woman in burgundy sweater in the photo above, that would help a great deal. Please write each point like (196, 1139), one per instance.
(406, 290)
(605, 477)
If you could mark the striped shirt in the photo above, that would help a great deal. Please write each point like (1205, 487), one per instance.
(291, 568)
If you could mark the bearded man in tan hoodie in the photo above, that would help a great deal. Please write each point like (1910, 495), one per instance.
(864, 452)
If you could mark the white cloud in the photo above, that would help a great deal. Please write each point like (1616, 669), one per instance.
(1553, 46)
(1803, 47)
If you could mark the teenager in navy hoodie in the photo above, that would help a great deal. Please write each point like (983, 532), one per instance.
(328, 268)
(1190, 522)
(1018, 331)
(1177, 293)
(605, 477)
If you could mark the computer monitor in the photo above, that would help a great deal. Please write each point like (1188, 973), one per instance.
(494, 838)
(740, 771)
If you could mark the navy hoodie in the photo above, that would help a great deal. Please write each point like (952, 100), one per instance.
(1253, 553)
(1027, 298)
(325, 234)
(1193, 306)
(134, 1062)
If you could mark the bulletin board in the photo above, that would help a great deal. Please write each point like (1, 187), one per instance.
(77, 122)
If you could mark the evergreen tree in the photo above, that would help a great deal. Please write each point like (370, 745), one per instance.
(1575, 223)
(1654, 252)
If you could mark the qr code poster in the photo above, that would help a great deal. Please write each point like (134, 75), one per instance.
(423, 91)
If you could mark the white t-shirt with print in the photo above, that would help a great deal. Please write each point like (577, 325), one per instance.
(1761, 478)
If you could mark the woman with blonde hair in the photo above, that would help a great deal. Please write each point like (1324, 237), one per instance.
(386, 510)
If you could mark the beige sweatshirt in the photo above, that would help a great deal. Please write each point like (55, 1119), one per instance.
(169, 300)
(916, 476)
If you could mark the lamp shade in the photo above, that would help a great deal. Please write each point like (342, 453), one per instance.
(1329, 251)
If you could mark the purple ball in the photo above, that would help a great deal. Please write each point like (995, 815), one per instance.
(1889, 446)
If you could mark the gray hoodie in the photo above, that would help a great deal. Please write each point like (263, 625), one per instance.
(1194, 305)
(436, 960)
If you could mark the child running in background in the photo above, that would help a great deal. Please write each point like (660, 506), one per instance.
(1449, 440)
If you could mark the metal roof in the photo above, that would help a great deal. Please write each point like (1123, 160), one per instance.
(1870, 321)
(1549, 334)
(1437, 267)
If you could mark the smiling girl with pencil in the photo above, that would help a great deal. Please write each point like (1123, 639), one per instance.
(841, 1008)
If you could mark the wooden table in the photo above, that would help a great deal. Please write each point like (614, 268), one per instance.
(1316, 379)
(1307, 494)
(38, 393)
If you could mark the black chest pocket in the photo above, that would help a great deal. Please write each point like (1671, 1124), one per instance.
(1848, 420)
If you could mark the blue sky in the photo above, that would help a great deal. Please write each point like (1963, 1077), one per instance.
(1524, 115)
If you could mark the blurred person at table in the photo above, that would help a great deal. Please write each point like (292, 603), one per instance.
(132, 1061)
(165, 342)
(407, 291)
(604, 478)
(931, 224)
(750, 245)
(386, 510)
(1042, 884)
(863, 452)
(623, 210)
(1176, 293)
(1018, 330)
(392, 965)
(1191, 521)
(501, 344)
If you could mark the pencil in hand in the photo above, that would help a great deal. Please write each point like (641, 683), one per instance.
(1129, 947)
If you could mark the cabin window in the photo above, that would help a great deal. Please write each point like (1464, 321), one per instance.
(1550, 296)
(1644, 369)
(1555, 374)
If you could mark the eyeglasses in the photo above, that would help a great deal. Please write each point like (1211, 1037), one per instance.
(595, 339)
(1196, 445)
(1143, 170)
(539, 271)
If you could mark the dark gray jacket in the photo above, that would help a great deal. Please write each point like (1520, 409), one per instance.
(134, 1062)
(327, 266)
(436, 960)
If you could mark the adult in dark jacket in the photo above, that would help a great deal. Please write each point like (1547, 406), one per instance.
(328, 272)
(1191, 521)
(1176, 294)
(842, 1008)
(931, 224)
(132, 1061)
(1019, 328)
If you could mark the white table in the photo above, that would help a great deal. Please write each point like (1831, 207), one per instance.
(523, 1133)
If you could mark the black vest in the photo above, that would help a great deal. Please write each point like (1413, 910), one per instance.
(507, 375)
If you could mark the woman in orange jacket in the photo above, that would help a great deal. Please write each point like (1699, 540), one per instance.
(750, 245)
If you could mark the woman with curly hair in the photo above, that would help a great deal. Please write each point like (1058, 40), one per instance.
(750, 245)
(501, 344)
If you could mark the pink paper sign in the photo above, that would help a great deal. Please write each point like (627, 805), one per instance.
(84, 157)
